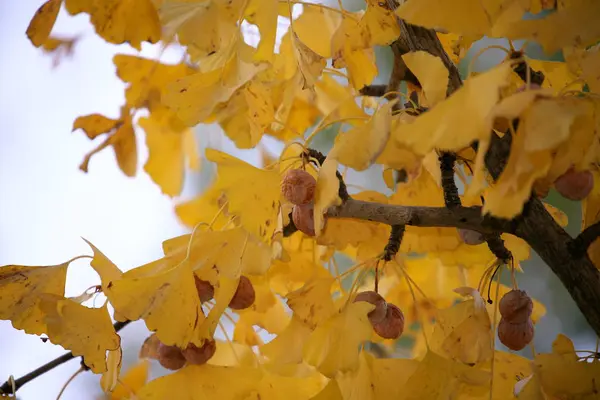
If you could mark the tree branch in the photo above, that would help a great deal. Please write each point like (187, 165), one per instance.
(7, 387)
(584, 240)
(459, 217)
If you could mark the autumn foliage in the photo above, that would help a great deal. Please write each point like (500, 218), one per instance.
(265, 241)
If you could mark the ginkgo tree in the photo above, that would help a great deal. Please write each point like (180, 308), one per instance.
(264, 243)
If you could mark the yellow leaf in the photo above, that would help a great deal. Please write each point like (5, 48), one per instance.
(121, 138)
(361, 145)
(166, 140)
(464, 331)
(203, 208)
(132, 381)
(390, 375)
(571, 26)
(120, 21)
(460, 119)
(333, 346)
(264, 14)
(110, 377)
(358, 383)
(556, 75)
(166, 299)
(217, 18)
(449, 376)
(201, 380)
(194, 97)
(147, 78)
(22, 288)
(561, 374)
(326, 192)
(253, 193)
(286, 347)
(310, 63)
(87, 332)
(95, 124)
(312, 303)
(380, 23)
(314, 24)
(231, 354)
(431, 73)
(330, 392)
(107, 270)
(465, 17)
(590, 65)
(336, 101)
(42, 22)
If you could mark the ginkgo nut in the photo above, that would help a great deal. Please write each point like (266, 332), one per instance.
(170, 357)
(200, 355)
(244, 295)
(516, 306)
(392, 326)
(205, 290)
(298, 187)
(470, 237)
(575, 185)
(303, 217)
(515, 336)
(380, 311)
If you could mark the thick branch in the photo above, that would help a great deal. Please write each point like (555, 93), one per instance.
(7, 388)
(460, 217)
(584, 240)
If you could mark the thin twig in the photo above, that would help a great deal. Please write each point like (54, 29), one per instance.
(578, 247)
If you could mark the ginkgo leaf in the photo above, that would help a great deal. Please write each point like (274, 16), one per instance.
(203, 208)
(167, 138)
(570, 26)
(380, 24)
(95, 124)
(147, 78)
(312, 303)
(326, 192)
(464, 331)
(389, 376)
(560, 373)
(330, 392)
(431, 73)
(361, 145)
(22, 288)
(194, 97)
(253, 193)
(128, 385)
(232, 354)
(110, 377)
(121, 138)
(264, 15)
(464, 115)
(107, 270)
(201, 380)
(167, 300)
(120, 21)
(87, 332)
(357, 383)
(466, 17)
(314, 24)
(310, 63)
(43, 21)
(333, 346)
(286, 348)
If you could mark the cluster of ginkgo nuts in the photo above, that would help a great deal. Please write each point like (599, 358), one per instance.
(173, 357)
(515, 329)
(298, 187)
(386, 318)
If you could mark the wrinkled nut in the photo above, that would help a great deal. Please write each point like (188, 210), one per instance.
(304, 220)
(150, 347)
(516, 306)
(515, 336)
(392, 326)
(244, 295)
(170, 357)
(472, 238)
(575, 185)
(380, 311)
(205, 290)
(298, 187)
(200, 355)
